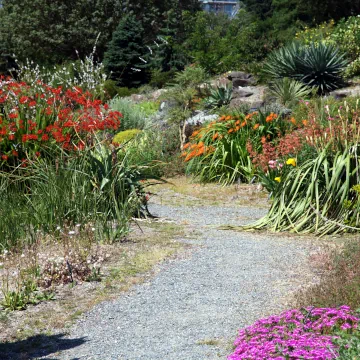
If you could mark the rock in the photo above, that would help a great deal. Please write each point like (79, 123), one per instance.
(239, 93)
(220, 82)
(137, 98)
(201, 117)
(253, 96)
(243, 82)
(157, 93)
(239, 75)
(345, 92)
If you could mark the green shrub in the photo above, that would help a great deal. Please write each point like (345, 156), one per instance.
(133, 116)
(318, 65)
(288, 92)
(126, 92)
(156, 151)
(160, 79)
(124, 136)
(111, 88)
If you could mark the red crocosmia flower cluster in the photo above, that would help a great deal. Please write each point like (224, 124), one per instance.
(31, 116)
(295, 334)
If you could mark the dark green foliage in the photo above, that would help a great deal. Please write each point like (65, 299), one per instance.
(160, 78)
(52, 31)
(318, 65)
(322, 67)
(123, 58)
(323, 10)
(218, 43)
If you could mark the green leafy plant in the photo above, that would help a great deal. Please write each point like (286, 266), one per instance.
(218, 97)
(311, 197)
(124, 136)
(318, 65)
(289, 92)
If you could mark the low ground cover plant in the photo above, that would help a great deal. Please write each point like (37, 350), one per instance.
(308, 333)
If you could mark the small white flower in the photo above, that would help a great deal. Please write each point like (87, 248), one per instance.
(58, 228)
(22, 255)
(93, 229)
(78, 225)
(71, 232)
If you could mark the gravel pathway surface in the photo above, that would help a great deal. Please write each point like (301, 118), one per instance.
(193, 307)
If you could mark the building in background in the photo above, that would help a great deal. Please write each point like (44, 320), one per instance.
(229, 7)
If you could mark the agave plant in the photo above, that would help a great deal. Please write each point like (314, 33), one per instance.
(319, 65)
(219, 96)
(288, 92)
(283, 62)
(322, 66)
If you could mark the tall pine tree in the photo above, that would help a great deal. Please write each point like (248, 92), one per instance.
(125, 60)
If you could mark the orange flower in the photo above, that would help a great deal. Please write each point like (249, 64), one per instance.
(222, 118)
(293, 121)
(243, 124)
(230, 131)
(263, 140)
(184, 154)
(305, 122)
(195, 133)
(238, 122)
(256, 126)
(237, 128)
(186, 146)
(271, 117)
(215, 136)
(228, 118)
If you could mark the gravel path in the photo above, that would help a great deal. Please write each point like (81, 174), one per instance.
(193, 307)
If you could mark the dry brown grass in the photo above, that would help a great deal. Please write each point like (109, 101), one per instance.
(338, 267)
(125, 264)
(182, 191)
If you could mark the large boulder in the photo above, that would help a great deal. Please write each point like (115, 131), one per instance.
(240, 78)
(252, 96)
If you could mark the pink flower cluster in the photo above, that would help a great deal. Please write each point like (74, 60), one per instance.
(294, 334)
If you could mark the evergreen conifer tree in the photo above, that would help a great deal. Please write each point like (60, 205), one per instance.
(125, 60)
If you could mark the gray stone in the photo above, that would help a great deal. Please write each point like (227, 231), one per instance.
(256, 100)
(243, 82)
(239, 75)
(240, 93)
(345, 92)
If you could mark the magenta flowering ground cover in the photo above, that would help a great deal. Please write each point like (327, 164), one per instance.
(295, 334)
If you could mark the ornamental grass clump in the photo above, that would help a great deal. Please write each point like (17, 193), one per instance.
(309, 333)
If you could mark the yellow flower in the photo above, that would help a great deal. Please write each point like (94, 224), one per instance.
(291, 161)
(278, 179)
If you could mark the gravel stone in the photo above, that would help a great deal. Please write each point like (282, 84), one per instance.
(227, 281)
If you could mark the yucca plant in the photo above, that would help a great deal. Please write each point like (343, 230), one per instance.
(218, 97)
(283, 62)
(319, 65)
(322, 67)
(289, 92)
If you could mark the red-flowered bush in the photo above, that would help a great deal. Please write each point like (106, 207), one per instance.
(31, 117)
